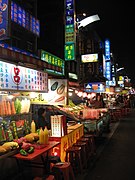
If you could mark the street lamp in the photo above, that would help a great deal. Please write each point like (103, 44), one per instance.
(119, 69)
(88, 20)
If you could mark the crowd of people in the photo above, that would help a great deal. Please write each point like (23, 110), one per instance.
(118, 100)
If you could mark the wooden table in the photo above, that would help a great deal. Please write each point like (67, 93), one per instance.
(38, 159)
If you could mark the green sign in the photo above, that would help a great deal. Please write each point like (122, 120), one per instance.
(69, 28)
(51, 59)
(70, 51)
(54, 60)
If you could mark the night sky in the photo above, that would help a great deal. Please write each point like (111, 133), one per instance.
(116, 23)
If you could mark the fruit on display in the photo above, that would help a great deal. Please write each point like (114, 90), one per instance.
(13, 111)
(10, 145)
(2, 150)
(31, 150)
(31, 137)
(25, 146)
(17, 106)
(23, 152)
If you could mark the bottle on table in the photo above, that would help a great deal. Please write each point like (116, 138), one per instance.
(33, 127)
(41, 136)
(46, 135)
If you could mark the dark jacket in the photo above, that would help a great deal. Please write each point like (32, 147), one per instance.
(42, 122)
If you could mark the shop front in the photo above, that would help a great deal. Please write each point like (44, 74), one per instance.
(15, 108)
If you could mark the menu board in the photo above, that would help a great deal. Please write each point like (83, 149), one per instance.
(6, 81)
(31, 79)
(20, 78)
(24, 19)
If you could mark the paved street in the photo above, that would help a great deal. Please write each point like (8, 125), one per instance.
(115, 159)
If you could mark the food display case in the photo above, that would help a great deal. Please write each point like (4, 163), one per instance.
(95, 121)
(15, 116)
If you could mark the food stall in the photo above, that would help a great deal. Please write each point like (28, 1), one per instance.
(15, 108)
(95, 121)
(65, 127)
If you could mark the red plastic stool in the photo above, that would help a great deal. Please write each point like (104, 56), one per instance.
(73, 155)
(84, 152)
(48, 177)
(62, 171)
(92, 146)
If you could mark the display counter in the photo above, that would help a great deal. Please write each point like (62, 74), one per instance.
(93, 126)
(73, 134)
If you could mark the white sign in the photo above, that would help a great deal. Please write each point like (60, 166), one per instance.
(89, 58)
(57, 94)
(14, 77)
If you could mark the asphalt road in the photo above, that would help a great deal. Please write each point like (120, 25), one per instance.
(115, 158)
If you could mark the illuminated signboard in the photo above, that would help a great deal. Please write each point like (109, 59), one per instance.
(12, 48)
(4, 21)
(69, 52)
(54, 60)
(21, 78)
(94, 87)
(24, 19)
(107, 50)
(108, 70)
(70, 33)
(69, 12)
(111, 83)
(89, 58)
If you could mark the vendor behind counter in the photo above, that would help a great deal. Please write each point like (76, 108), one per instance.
(44, 118)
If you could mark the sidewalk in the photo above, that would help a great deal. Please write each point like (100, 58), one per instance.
(115, 157)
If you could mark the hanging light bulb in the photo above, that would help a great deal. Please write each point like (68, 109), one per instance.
(89, 96)
(84, 94)
(93, 94)
(79, 94)
(76, 91)
(70, 93)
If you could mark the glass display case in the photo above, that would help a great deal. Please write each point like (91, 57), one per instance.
(15, 116)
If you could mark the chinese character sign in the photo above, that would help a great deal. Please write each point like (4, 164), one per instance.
(70, 30)
(69, 52)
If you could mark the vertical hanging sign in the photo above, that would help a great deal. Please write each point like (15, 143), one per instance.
(70, 34)
(107, 60)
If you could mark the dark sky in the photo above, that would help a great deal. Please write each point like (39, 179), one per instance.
(116, 23)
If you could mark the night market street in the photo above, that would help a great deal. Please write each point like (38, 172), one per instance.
(115, 156)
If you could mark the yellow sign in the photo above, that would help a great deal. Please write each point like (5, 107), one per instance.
(74, 133)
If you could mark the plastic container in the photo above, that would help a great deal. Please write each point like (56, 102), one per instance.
(46, 135)
(41, 136)
(33, 127)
